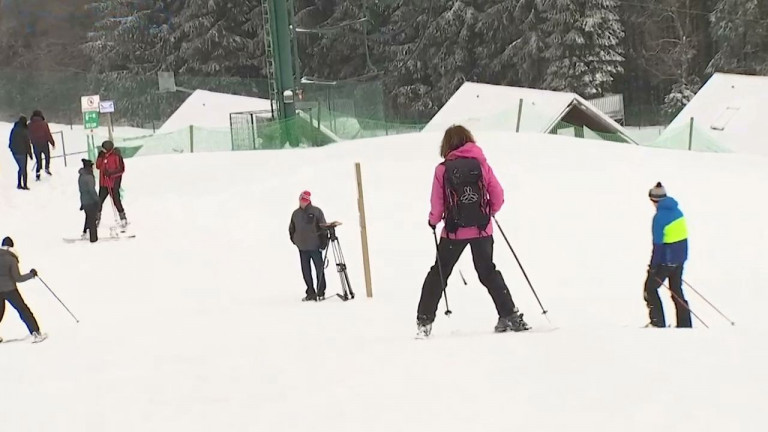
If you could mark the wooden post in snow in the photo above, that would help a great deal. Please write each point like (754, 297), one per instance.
(363, 231)
(690, 136)
(191, 138)
(519, 114)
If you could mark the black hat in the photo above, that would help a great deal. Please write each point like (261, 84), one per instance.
(87, 163)
(107, 145)
(7, 242)
(657, 193)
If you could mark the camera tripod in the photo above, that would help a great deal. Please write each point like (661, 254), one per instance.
(338, 256)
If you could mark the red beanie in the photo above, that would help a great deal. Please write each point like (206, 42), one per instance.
(305, 196)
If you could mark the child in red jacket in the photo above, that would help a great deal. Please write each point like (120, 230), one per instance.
(111, 167)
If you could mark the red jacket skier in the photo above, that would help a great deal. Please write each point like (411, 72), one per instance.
(40, 135)
(111, 167)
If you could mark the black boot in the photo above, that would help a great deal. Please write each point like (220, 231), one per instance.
(513, 322)
(423, 326)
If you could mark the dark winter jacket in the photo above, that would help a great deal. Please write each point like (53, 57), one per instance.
(670, 234)
(19, 140)
(305, 230)
(9, 271)
(87, 184)
(39, 132)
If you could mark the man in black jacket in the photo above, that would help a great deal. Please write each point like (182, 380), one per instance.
(21, 148)
(311, 239)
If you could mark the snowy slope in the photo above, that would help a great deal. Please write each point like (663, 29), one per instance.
(209, 109)
(196, 324)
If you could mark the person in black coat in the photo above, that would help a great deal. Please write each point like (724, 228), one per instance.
(21, 148)
(89, 199)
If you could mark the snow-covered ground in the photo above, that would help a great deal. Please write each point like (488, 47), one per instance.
(196, 324)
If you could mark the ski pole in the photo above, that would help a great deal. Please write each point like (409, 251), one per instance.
(462, 277)
(705, 299)
(440, 269)
(57, 298)
(543, 311)
(112, 201)
(678, 300)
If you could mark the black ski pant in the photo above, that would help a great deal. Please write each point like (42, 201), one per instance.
(40, 152)
(105, 192)
(15, 299)
(307, 257)
(656, 277)
(21, 177)
(91, 216)
(448, 253)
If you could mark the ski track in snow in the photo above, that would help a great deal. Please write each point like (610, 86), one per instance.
(196, 324)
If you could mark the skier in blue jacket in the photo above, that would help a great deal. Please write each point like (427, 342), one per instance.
(670, 251)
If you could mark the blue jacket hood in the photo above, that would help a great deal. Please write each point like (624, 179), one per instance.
(667, 204)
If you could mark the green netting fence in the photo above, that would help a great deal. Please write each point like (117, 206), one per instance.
(248, 131)
(688, 137)
(327, 112)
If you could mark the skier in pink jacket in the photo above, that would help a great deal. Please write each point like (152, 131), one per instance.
(465, 196)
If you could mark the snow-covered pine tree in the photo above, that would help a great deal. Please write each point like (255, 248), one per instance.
(437, 54)
(128, 35)
(335, 47)
(452, 50)
(740, 33)
(497, 30)
(680, 94)
(527, 50)
(584, 46)
(401, 39)
(219, 38)
(128, 44)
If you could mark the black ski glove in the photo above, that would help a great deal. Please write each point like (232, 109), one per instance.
(434, 227)
(34, 272)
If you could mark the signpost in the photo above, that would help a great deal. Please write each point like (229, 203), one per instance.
(91, 119)
(108, 107)
(89, 105)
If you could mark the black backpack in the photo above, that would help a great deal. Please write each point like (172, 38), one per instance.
(466, 196)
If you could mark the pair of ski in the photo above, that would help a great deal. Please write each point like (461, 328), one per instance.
(43, 336)
(421, 336)
(110, 238)
(335, 295)
(114, 235)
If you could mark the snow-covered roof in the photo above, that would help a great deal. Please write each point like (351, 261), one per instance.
(495, 108)
(209, 109)
(728, 111)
